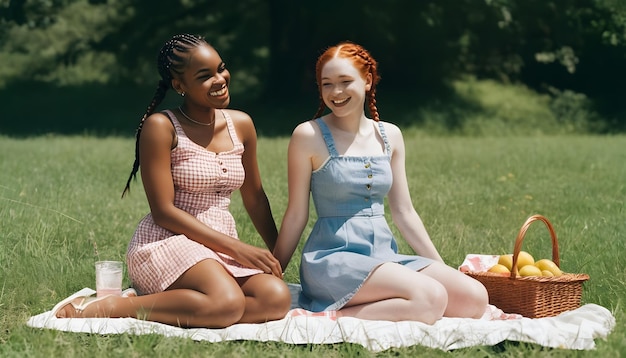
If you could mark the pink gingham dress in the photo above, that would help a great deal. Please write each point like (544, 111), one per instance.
(203, 183)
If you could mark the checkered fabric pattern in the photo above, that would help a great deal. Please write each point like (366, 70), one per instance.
(203, 183)
(296, 312)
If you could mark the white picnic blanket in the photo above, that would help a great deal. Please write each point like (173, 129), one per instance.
(575, 329)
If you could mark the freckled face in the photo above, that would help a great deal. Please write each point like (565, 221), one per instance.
(206, 78)
(342, 87)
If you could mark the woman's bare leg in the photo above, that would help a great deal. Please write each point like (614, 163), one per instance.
(467, 297)
(267, 298)
(204, 296)
(394, 292)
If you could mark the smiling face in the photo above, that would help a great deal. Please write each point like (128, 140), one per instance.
(205, 79)
(349, 61)
(342, 87)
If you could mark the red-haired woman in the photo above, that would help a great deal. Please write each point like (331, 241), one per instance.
(349, 163)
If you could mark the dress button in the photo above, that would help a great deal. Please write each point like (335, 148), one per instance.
(367, 199)
(367, 165)
(368, 186)
(224, 170)
(369, 176)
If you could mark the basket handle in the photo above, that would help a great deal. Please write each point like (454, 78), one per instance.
(520, 238)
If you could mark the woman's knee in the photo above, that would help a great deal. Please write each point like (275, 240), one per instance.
(222, 309)
(469, 298)
(478, 298)
(265, 297)
(275, 296)
(430, 303)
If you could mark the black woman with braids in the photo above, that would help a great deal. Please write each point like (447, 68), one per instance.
(349, 163)
(185, 258)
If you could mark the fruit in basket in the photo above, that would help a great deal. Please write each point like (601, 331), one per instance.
(506, 261)
(550, 266)
(499, 268)
(543, 267)
(524, 259)
(530, 270)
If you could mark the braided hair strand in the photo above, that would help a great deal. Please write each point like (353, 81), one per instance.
(172, 60)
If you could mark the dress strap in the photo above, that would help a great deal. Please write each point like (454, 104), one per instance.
(172, 117)
(231, 128)
(328, 137)
(384, 135)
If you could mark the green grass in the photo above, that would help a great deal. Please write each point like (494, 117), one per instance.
(60, 200)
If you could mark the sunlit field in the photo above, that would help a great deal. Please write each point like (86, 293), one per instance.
(60, 210)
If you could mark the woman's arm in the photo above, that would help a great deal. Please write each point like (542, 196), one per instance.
(156, 142)
(402, 211)
(253, 195)
(299, 182)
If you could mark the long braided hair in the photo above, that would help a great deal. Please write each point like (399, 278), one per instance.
(171, 61)
(362, 60)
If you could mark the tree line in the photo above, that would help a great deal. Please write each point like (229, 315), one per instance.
(271, 45)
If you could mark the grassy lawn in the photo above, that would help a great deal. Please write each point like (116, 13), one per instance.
(60, 210)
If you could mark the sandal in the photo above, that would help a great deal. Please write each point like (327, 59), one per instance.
(87, 298)
(85, 292)
(85, 302)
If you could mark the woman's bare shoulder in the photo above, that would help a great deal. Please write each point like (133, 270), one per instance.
(306, 129)
(238, 115)
(390, 127)
(158, 121)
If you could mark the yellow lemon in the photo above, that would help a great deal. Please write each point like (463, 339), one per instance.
(546, 273)
(524, 259)
(506, 261)
(549, 265)
(498, 268)
(530, 270)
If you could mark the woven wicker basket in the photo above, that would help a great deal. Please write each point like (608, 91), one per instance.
(533, 296)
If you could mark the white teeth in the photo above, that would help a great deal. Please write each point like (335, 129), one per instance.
(218, 92)
(340, 101)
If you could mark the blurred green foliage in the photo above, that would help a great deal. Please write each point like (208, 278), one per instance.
(571, 51)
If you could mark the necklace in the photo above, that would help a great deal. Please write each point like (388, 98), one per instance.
(194, 121)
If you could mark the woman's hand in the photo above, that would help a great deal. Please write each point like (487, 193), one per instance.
(255, 257)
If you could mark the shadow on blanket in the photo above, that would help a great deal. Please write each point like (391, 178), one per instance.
(575, 329)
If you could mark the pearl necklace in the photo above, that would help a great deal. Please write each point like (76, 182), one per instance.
(194, 121)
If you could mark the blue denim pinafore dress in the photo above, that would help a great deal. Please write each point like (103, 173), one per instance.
(351, 236)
